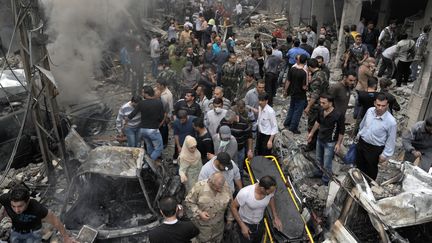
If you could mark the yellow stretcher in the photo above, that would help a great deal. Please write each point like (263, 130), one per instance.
(294, 225)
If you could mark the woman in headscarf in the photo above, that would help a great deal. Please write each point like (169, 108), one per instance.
(189, 162)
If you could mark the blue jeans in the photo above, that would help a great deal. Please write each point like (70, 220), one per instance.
(155, 64)
(31, 237)
(357, 108)
(153, 141)
(295, 112)
(241, 155)
(133, 136)
(414, 69)
(324, 156)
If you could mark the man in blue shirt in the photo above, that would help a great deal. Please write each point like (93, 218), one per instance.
(294, 52)
(182, 127)
(377, 137)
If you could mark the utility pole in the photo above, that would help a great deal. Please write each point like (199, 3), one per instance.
(44, 106)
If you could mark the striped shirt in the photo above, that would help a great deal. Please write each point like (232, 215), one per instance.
(124, 111)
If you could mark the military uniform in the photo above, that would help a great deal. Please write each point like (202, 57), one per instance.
(243, 89)
(203, 199)
(258, 46)
(230, 78)
(170, 76)
(356, 54)
(318, 85)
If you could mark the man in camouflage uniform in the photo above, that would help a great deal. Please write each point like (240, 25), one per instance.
(318, 85)
(169, 76)
(231, 72)
(207, 203)
(258, 46)
(357, 54)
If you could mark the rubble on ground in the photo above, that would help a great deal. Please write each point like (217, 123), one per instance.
(295, 162)
(13, 60)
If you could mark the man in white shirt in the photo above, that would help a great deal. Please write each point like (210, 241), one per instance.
(248, 209)
(202, 99)
(388, 58)
(321, 50)
(155, 54)
(131, 129)
(405, 50)
(267, 126)
(213, 117)
(238, 11)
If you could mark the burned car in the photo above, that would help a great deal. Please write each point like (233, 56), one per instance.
(358, 215)
(91, 119)
(115, 191)
(354, 208)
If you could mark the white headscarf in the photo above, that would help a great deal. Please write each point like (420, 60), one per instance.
(186, 155)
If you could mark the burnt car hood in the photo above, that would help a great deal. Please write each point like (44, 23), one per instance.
(412, 206)
(107, 195)
(113, 161)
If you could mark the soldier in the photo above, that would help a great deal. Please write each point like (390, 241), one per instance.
(230, 77)
(318, 85)
(169, 76)
(207, 203)
(258, 46)
(357, 54)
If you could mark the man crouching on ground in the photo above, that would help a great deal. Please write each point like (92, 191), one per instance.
(27, 216)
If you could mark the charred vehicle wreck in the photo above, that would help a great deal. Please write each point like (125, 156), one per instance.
(115, 191)
(357, 209)
(357, 215)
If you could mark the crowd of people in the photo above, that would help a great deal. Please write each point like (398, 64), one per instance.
(220, 112)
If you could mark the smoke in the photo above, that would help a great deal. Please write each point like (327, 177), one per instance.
(78, 32)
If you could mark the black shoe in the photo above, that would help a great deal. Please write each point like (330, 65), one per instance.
(295, 131)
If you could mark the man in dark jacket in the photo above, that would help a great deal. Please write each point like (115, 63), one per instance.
(152, 116)
(172, 230)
